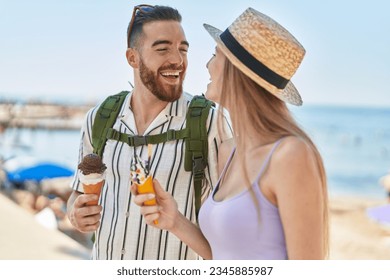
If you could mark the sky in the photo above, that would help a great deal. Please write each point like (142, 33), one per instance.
(74, 50)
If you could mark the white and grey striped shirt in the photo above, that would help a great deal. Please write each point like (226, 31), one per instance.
(122, 233)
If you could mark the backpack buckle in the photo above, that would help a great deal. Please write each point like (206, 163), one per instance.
(171, 134)
(135, 141)
(198, 164)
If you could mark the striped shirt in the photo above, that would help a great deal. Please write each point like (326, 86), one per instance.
(122, 233)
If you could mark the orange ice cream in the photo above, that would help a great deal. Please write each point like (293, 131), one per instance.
(142, 179)
(140, 176)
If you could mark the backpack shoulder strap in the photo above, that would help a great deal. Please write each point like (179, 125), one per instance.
(196, 153)
(105, 119)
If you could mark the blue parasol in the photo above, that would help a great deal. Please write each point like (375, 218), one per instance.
(38, 172)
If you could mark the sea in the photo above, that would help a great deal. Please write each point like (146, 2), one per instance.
(353, 141)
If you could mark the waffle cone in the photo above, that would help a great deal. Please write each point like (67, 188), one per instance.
(93, 189)
(147, 187)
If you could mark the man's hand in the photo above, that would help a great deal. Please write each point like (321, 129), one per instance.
(84, 218)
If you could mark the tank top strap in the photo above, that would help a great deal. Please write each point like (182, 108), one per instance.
(268, 158)
(228, 162)
(224, 169)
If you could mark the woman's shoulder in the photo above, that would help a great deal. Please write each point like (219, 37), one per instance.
(294, 153)
(294, 167)
(293, 146)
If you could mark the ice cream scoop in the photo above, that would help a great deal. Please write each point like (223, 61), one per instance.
(140, 176)
(92, 175)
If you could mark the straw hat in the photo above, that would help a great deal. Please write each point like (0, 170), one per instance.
(264, 51)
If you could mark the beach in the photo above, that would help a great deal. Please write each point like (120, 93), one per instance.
(353, 235)
(22, 237)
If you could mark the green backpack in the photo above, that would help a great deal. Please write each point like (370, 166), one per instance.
(194, 135)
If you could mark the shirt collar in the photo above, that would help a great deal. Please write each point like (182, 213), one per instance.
(176, 108)
(173, 110)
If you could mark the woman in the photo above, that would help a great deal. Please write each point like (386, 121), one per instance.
(271, 199)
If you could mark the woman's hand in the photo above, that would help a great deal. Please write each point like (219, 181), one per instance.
(165, 212)
(168, 217)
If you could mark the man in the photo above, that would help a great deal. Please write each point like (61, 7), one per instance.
(157, 51)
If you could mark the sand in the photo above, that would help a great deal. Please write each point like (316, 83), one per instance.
(23, 238)
(353, 236)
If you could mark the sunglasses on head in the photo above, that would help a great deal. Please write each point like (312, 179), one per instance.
(143, 8)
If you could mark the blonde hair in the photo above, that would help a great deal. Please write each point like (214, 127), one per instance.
(251, 104)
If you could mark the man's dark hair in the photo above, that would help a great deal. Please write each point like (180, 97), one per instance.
(149, 14)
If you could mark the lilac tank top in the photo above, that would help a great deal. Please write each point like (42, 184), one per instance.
(233, 229)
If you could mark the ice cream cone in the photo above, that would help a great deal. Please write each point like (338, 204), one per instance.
(93, 189)
(147, 187)
(92, 175)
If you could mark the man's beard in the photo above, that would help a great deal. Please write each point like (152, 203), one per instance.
(152, 83)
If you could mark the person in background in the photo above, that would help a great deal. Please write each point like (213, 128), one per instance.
(385, 183)
(157, 51)
(271, 199)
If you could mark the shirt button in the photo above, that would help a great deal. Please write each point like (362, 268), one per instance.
(127, 214)
(123, 251)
